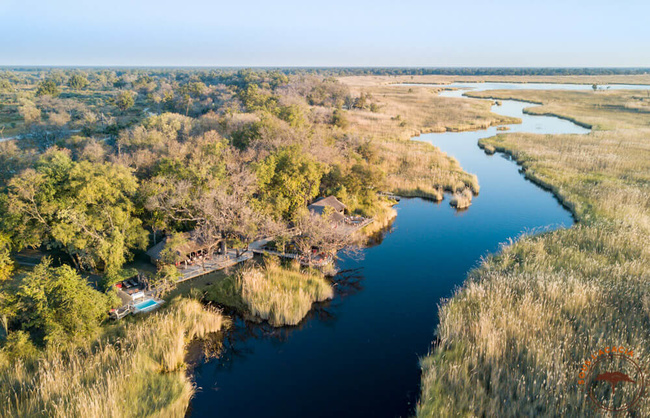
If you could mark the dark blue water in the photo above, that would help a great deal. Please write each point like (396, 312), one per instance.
(358, 355)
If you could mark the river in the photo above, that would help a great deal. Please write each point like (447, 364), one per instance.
(358, 354)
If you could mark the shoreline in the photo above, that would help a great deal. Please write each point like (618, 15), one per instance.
(531, 176)
(528, 111)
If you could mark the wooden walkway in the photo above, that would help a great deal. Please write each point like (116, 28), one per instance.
(218, 262)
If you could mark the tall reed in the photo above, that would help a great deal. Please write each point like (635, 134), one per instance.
(136, 370)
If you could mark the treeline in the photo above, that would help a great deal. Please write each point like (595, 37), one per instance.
(343, 71)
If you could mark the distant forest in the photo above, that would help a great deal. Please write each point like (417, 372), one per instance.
(340, 71)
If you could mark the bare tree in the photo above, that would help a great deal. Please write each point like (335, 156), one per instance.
(317, 231)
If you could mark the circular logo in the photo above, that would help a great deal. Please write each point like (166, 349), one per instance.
(613, 381)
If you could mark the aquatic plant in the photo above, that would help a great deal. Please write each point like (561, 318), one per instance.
(461, 200)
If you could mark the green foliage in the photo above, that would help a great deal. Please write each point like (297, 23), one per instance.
(47, 88)
(292, 114)
(56, 305)
(5, 85)
(125, 100)
(227, 292)
(170, 254)
(6, 263)
(288, 180)
(165, 279)
(18, 346)
(77, 82)
(247, 134)
(339, 119)
(255, 100)
(84, 208)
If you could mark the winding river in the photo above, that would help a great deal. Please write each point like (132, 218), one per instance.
(358, 354)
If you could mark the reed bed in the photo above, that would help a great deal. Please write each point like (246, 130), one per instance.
(511, 341)
(136, 370)
(461, 200)
(282, 295)
(418, 169)
(407, 111)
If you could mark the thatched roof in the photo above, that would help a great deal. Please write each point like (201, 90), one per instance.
(192, 243)
(329, 201)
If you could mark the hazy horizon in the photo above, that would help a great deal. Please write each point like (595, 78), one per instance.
(467, 33)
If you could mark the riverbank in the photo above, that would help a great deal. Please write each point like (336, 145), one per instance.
(416, 169)
(579, 288)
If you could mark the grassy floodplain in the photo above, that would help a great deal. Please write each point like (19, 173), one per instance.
(373, 80)
(511, 341)
(416, 169)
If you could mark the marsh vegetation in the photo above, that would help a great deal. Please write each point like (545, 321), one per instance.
(279, 294)
(511, 340)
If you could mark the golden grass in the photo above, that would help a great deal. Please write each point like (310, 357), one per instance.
(407, 111)
(138, 370)
(282, 295)
(512, 339)
(461, 200)
(602, 110)
(416, 169)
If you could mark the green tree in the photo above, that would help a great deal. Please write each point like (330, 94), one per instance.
(339, 119)
(47, 88)
(170, 254)
(5, 85)
(288, 180)
(83, 208)
(77, 82)
(6, 263)
(165, 279)
(56, 305)
(125, 100)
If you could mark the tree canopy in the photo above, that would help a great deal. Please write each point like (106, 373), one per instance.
(55, 305)
(47, 88)
(83, 208)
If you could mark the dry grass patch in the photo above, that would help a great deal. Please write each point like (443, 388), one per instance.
(407, 111)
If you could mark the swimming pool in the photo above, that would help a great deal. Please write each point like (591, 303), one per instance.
(146, 306)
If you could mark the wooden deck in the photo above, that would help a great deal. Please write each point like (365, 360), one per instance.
(218, 262)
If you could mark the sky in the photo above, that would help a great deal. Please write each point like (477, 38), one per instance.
(407, 33)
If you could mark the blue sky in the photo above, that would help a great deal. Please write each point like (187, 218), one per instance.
(325, 33)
